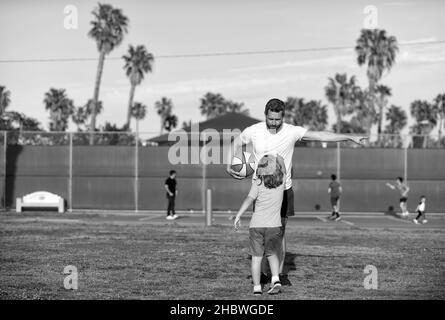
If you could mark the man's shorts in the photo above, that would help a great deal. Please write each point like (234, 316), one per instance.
(287, 206)
(265, 241)
(403, 199)
(334, 200)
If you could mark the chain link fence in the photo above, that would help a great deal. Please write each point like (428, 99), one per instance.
(127, 171)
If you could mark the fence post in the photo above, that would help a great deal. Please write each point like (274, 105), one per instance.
(204, 173)
(70, 179)
(338, 160)
(136, 169)
(5, 147)
(405, 164)
(209, 208)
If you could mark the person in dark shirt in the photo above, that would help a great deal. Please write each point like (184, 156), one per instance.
(335, 191)
(172, 192)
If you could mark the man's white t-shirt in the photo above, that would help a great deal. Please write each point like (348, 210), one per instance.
(281, 143)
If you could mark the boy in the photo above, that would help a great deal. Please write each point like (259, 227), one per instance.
(421, 211)
(265, 228)
(172, 192)
(403, 189)
(335, 191)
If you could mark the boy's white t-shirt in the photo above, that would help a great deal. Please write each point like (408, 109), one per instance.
(267, 205)
(281, 143)
(421, 206)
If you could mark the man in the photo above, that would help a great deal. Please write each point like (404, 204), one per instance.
(172, 192)
(273, 136)
(403, 189)
(335, 191)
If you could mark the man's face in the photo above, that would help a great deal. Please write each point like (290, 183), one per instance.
(274, 120)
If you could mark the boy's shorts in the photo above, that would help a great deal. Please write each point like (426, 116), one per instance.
(334, 200)
(403, 199)
(265, 241)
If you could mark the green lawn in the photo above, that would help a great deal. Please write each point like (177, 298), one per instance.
(143, 261)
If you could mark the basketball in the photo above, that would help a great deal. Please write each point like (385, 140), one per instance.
(243, 163)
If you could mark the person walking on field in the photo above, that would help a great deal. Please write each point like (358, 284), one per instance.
(403, 188)
(335, 191)
(172, 192)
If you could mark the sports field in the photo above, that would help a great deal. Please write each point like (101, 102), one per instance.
(143, 256)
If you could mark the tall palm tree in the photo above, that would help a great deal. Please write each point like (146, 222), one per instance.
(382, 94)
(439, 105)
(376, 50)
(426, 118)
(60, 108)
(5, 99)
(108, 28)
(137, 62)
(164, 108)
(339, 92)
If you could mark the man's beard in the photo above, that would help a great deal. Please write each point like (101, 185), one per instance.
(274, 128)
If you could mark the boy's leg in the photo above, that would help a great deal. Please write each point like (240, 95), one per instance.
(256, 270)
(274, 238)
(274, 265)
(282, 252)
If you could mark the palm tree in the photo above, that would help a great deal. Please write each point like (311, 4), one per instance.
(382, 94)
(108, 28)
(397, 119)
(364, 111)
(171, 122)
(138, 111)
(291, 105)
(339, 92)
(439, 105)
(214, 105)
(81, 114)
(378, 51)
(164, 108)
(60, 108)
(426, 119)
(5, 99)
(137, 63)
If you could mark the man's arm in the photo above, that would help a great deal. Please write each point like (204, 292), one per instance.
(168, 190)
(237, 143)
(327, 136)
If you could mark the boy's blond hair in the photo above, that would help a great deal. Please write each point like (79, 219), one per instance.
(270, 172)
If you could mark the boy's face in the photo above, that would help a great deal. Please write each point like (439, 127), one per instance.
(422, 199)
(173, 175)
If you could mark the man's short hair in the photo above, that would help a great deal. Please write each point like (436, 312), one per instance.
(333, 177)
(400, 179)
(172, 172)
(274, 105)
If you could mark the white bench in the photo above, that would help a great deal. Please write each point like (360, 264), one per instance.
(40, 199)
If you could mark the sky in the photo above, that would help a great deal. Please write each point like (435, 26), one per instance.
(35, 30)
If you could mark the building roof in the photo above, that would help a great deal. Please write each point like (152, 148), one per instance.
(228, 121)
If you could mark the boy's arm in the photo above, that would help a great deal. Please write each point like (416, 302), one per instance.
(246, 204)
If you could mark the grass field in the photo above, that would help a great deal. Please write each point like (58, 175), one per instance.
(142, 260)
